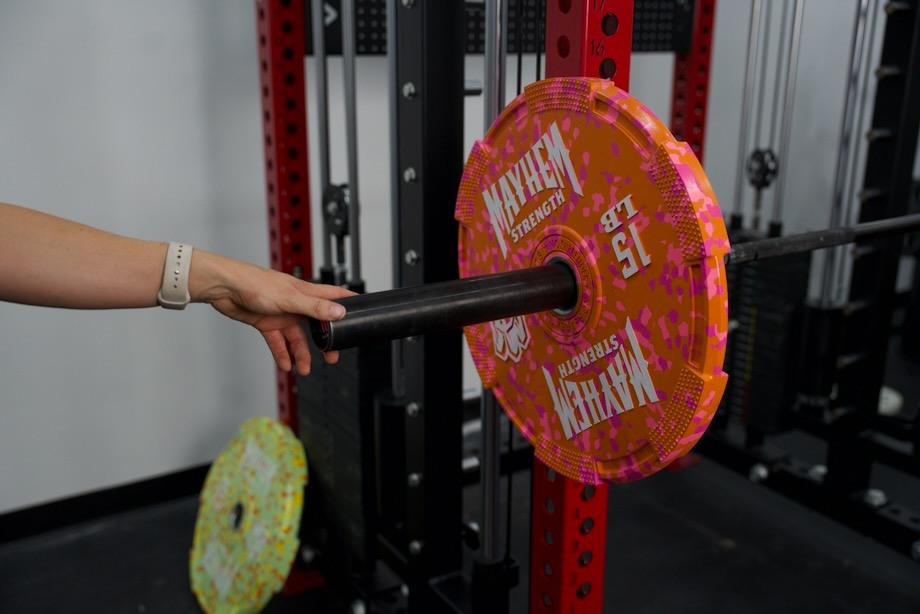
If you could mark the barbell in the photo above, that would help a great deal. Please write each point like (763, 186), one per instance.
(431, 308)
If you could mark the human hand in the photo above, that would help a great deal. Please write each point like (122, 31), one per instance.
(55, 262)
(271, 302)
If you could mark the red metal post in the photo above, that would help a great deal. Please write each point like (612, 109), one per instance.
(691, 80)
(284, 120)
(589, 38)
(568, 543)
(568, 520)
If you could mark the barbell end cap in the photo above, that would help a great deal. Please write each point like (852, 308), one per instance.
(321, 333)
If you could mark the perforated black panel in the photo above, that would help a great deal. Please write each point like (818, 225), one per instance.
(662, 25)
(658, 25)
(371, 27)
(530, 28)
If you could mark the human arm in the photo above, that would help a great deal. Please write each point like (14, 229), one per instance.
(46, 260)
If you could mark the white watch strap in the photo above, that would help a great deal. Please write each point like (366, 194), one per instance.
(173, 293)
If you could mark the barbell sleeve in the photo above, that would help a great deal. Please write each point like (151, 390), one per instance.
(431, 308)
(820, 239)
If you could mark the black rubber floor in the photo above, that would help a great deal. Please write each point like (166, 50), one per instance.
(706, 540)
(697, 540)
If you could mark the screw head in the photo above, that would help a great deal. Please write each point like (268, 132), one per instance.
(408, 3)
(413, 409)
(409, 175)
(414, 480)
(875, 497)
(408, 90)
(817, 473)
(415, 547)
(758, 473)
(411, 257)
(358, 607)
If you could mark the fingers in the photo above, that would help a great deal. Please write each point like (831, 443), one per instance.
(291, 342)
(297, 342)
(317, 301)
(278, 347)
(326, 310)
(299, 348)
(321, 309)
(275, 305)
(325, 291)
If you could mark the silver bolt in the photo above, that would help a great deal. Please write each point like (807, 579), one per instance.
(409, 175)
(408, 3)
(411, 257)
(408, 90)
(414, 480)
(915, 551)
(358, 607)
(413, 409)
(883, 72)
(404, 589)
(415, 547)
(307, 554)
(817, 473)
(758, 473)
(332, 207)
(875, 497)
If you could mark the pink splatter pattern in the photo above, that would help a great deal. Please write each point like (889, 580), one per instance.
(635, 217)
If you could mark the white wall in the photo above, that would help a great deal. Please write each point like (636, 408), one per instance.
(816, 119)
(143, 118)
(373, 160)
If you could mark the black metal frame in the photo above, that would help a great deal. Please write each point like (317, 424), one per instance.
(856, 337)
(420, 433)
(867, 327)
(418, 441)
(886, 193)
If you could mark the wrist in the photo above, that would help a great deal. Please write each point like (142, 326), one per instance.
(207, 280)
